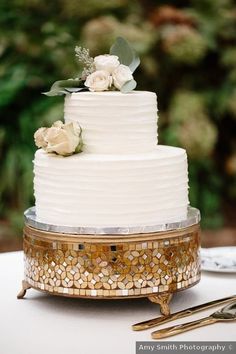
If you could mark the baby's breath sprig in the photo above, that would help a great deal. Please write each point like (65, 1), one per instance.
(85, 60)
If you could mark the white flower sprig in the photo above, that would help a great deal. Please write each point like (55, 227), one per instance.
(86, 61)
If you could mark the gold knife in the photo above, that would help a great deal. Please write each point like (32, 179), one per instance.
(180, 314)
(226, 314)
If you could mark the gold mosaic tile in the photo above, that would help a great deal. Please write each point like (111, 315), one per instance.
(136, 266)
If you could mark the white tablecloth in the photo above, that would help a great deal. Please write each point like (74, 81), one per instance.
(41, 323)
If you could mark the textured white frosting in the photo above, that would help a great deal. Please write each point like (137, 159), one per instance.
(111, 190)
(113, 122)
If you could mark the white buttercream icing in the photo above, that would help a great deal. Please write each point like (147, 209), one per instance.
(112, 190)
(113, 122)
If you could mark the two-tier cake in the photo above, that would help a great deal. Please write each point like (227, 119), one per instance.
(112, 216)
(122, 177)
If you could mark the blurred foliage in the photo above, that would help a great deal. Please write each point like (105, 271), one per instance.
(188, 57)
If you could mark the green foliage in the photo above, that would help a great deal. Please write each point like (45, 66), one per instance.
(190, 120)
(183, 44)
(187, 55)
(129, 86)
(126, 54)
(62, 87)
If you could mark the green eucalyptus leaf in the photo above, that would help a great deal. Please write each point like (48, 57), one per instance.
(128, 86)
(56, 92)
(135, 63)
(66, 83)
(75, 89)
(127, 55)
(62, 87)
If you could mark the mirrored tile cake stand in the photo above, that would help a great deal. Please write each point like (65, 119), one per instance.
(112, 263)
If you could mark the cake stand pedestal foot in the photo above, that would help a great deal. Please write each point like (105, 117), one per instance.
(163, 300)
(25, 287)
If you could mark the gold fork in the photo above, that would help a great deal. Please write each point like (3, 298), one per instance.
(180, 314)
(227, 313)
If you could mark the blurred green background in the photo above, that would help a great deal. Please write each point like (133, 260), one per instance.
(188, 57)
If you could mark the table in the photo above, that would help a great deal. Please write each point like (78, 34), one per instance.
(42, 323)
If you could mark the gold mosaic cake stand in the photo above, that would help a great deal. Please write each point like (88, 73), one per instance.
(110, 266)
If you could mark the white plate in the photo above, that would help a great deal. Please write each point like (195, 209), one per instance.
(219, 259)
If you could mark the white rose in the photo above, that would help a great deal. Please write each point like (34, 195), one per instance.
(39, 138)
(63, 139)
(121, 75)
(99, 80)
(106, 62)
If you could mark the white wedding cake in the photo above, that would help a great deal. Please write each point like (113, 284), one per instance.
(103, 166)
(122, 177)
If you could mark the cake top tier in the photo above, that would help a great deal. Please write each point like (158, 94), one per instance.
(103, 114)
(113, 122)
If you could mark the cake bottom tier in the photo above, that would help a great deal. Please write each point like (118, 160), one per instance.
(112, 266)
(90, 190)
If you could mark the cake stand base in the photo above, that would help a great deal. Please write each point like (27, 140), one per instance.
(154, 265)
(25, 287)
(161, 299)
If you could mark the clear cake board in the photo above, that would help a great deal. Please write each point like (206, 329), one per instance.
(193, 217)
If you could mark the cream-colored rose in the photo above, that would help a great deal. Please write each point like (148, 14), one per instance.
(39, 138)
(106, 62)
(121, 75)
(63, 139)
(58, 124)
(100, 80)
